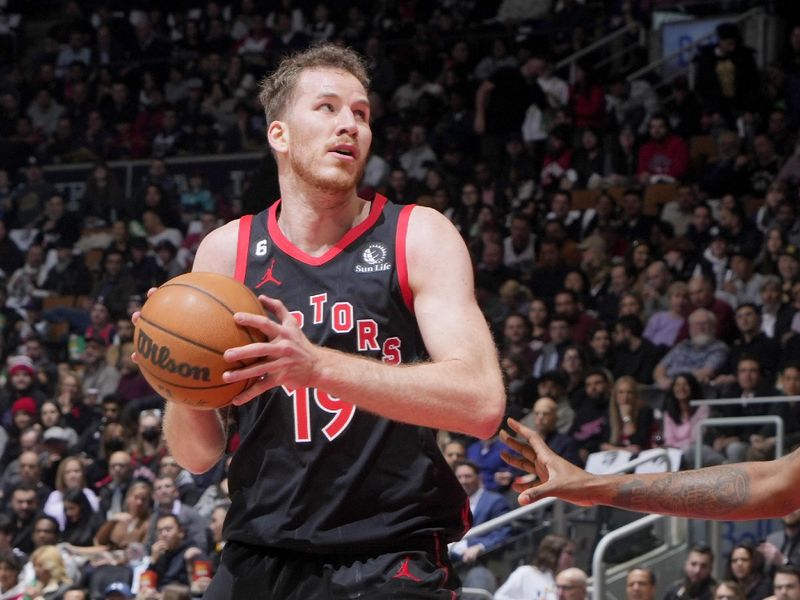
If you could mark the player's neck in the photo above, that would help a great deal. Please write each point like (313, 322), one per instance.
(314, 221)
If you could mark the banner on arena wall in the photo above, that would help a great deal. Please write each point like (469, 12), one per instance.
(676, 36)
(224, 173)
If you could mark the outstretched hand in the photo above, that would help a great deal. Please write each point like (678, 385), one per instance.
(554, 475)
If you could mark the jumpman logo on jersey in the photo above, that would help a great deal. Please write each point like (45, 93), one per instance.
(404, 573)
(269, 277)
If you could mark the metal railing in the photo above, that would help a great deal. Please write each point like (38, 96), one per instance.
(753, 400)
(736, 422)
(598, 572)
(753, 12)
(476, 593)
(714, 527)
(606, 40)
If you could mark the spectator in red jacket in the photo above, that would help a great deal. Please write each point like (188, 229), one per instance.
(665, 156)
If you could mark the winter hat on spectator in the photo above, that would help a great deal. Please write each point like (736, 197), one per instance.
(24, 404)
(60, 434)
(20, 363)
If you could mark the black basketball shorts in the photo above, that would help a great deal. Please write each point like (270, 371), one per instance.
(258, 573)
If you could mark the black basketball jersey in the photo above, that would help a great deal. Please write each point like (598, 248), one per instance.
(316, 474)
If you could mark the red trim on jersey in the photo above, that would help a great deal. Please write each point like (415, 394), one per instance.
(466, 517)
(348, 238)
(242, 247)
(437, 549)
(402, 263)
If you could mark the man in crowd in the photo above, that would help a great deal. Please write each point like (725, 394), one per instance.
(786, 583)
(634, 355)
(697, 583)
(543, 418)
(165, 494)
(571, 584)
(171, 554)
(702, 354)
(640, 584)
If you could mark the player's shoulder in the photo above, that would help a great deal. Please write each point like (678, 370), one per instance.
(434, 245)
(425, 221)
(217, 251)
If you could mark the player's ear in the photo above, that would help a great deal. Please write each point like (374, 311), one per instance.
(278, 136)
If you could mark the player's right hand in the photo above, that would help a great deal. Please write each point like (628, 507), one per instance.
(135, 316)
(555, 476)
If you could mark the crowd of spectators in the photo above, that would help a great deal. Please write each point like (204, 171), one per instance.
(610, 316)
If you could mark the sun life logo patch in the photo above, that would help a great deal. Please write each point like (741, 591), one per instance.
(374, 259)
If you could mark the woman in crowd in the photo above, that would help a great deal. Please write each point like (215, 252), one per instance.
(20, 383)
(638, 257)
(51, 577)
(630, 422)
(81, 520)
(125, 528)
(69, 396)
(23, 415)
(746, 567)
(71, 476)
(681, 419)
(537, 580)
(767, 261)
(539, 317)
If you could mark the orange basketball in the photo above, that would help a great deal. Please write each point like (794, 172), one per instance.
(184, 328)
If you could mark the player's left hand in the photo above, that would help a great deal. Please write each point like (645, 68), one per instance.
(555, 476)
(287, 359)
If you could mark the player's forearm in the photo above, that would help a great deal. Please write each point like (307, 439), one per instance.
(196, 438)
(731, 492)
(449, 394)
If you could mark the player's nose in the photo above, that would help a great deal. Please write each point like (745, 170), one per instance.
(347, 123)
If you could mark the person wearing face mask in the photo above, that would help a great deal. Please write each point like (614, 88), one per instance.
(148, 447)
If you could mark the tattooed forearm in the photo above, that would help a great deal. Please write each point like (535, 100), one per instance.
(705, 493)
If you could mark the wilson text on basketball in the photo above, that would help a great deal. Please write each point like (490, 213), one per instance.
(160, 356)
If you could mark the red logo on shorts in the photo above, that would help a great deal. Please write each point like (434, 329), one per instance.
(404, 573)
(269, 277)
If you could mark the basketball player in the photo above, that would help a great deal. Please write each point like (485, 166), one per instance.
(743, 491)
(338, 488)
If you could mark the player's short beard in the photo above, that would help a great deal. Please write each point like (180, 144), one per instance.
(309, 174)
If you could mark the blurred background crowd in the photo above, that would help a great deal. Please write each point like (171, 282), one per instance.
(635, 237)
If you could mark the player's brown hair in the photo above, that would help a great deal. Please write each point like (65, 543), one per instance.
(277, 88)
